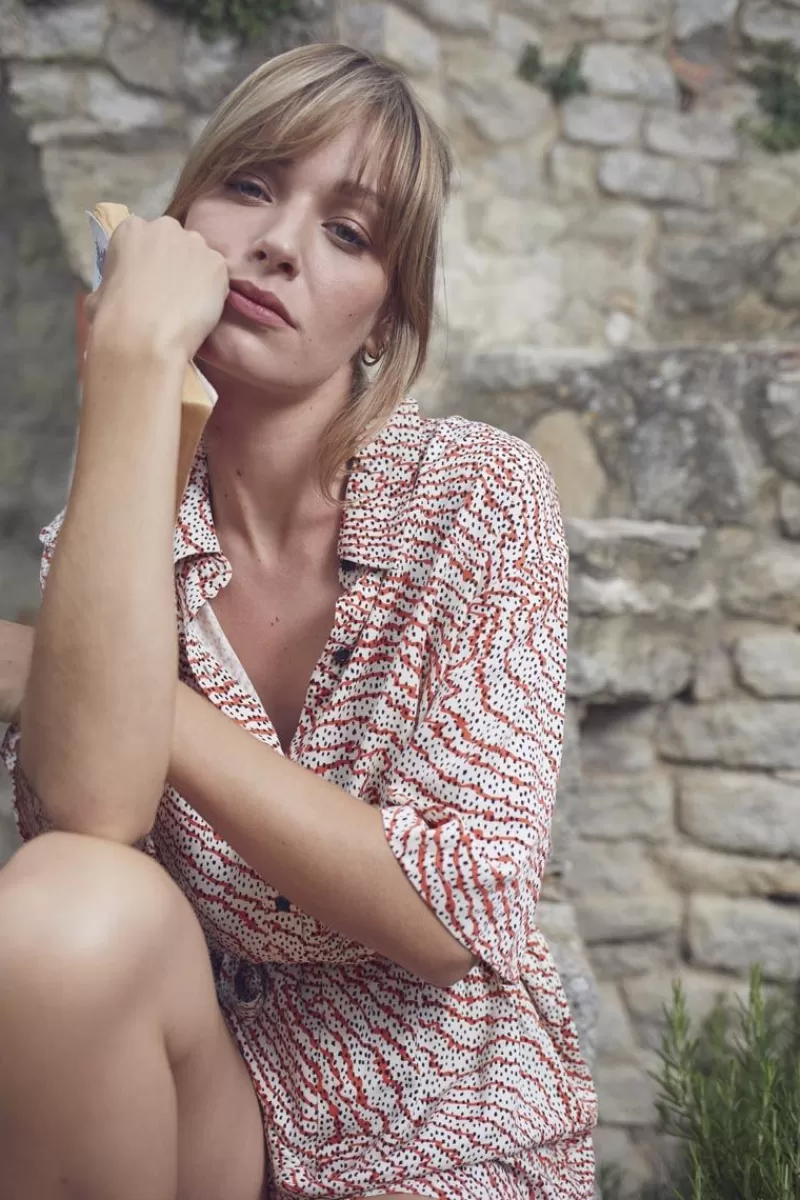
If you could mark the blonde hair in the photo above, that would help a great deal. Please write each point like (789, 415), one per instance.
(291, 106)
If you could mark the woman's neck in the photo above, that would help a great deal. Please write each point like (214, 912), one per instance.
(262, 463)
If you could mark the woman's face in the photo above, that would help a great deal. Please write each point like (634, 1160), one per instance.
(301, 238)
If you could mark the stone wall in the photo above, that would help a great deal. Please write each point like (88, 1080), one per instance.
(680, 475)
(632, 217)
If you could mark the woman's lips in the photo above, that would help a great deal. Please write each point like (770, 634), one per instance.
(256, 312)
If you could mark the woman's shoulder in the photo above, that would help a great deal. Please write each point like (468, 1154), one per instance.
(477, 459)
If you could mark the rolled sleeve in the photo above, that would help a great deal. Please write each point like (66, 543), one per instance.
(467, 811)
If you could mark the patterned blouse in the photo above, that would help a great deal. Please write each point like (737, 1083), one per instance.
(439, 697)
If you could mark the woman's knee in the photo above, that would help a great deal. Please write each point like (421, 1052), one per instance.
(88, 916)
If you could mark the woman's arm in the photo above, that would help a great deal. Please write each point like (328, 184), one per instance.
(315, 843)
(446, 869)
(96, 720)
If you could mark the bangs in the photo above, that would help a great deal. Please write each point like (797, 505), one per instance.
(285, 124)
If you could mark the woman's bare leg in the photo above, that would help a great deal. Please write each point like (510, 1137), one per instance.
(118, 1077)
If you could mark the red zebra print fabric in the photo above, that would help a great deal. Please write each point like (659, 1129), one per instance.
(439, 697)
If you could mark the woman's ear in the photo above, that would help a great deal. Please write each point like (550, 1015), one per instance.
(374, 347)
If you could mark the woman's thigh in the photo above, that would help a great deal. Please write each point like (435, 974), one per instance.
(221, 1145)
(124, 944)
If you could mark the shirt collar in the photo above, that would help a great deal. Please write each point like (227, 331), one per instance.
(382, 479)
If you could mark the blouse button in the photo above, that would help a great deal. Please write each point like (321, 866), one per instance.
(342, 655)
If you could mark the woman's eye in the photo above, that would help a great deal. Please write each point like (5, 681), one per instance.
(249, 188)
(347, 233)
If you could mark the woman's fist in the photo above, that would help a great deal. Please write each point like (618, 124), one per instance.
(163, 289)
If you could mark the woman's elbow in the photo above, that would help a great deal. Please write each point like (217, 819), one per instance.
(93, 812)
(448, 969)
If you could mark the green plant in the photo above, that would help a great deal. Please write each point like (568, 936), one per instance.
(778, 97)
(560, 80)
(732, 1094)
(245, 19)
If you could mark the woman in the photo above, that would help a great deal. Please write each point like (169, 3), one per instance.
(362, 747)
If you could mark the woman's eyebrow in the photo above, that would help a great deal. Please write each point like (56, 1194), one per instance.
(353, 189)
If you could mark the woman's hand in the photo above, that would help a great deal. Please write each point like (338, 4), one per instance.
(162, 293)
(16, 648)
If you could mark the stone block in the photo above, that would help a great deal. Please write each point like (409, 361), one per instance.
(769, 663)
(615, 70)
(741, 812)
(391, 33)
(697, 16)
(765, 584)
(789, 508)
(714, 675)
(735, 935)
(766, 192)
(573, 170)
(43, 92)
(765, 23)
(144, 47)
(617, 740)
(622, 659)
(116, 109)
(702, 273)
(602, 121)
(617, 597)
(433, 100)
(628, 230)
(622, 869)
(708, 136)
(614, 807)
(673, 429)
(514, 171)
(563, 443)
(524, 368)
(648, 996)
(195, 127)
(75, 176)
(512, 34)
(780, 414)
(513, 226)
(606, 917)
(626, 1093)
(654, 180)
(620, 540)
(501, 107)
(782, 279)
(622, 960)
(692, 868)
(539, 11)
(73, 31)
(615, 1036)
(624, 20)
(733, 733)
(462, 16)
(209, 69)
(615, 1148)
